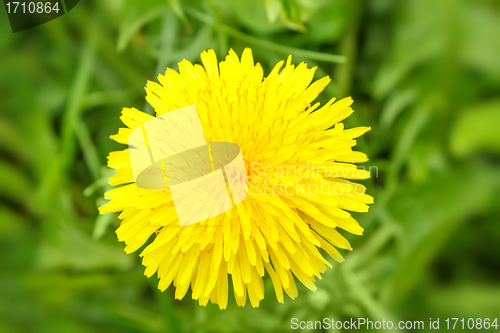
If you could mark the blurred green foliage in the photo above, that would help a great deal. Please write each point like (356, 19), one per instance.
(424, 75)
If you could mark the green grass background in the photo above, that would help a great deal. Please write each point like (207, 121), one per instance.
(425, 75)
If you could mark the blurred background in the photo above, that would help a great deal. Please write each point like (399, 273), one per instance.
(425, 75)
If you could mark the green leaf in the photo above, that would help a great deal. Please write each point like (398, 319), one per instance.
(292, 15)
(138, 15)
(471, 300)
(252, 15)
(476, 129)
(12, 140)
(179, 12)
(15, 184)
(418, 38)
(478, 49)
(429, 213)
(79, 251)
(396, 103)
(273, 9)
(102, 223)
(328, 22)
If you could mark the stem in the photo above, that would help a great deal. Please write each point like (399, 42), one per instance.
(349, 48)
(167, 306)
(334, 58)
(71, 115)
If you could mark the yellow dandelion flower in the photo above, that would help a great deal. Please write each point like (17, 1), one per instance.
(298, 160)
